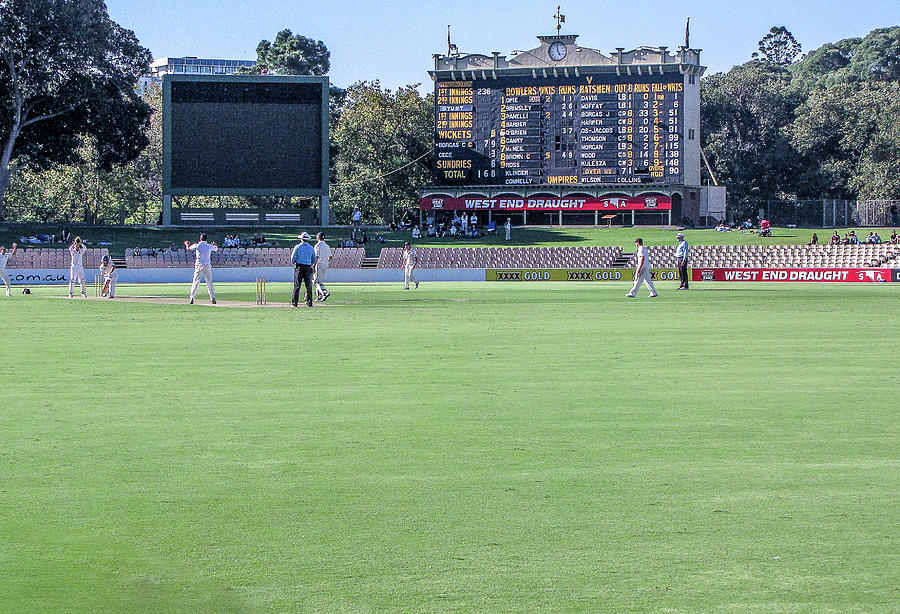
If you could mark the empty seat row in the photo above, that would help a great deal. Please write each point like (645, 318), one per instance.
(43, 258)
(503, 257)
(251, 257)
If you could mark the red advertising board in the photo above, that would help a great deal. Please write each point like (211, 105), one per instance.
(548, 202)
(857, 275)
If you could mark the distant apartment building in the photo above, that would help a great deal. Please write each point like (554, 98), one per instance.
(189, 65)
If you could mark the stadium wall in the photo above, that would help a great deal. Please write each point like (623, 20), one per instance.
(184, 275)
(22, 277)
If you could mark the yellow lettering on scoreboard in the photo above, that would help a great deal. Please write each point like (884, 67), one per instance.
(602, 88)
(521, 91)
(562, 179)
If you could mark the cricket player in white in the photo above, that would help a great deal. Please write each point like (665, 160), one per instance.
(202, 266)
(410, 259)
(4, 258)
(323, 261)
(108, 270)
(76, 267)
(642, 270)
(508, 227)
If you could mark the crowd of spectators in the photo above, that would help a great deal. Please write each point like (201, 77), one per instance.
(235, 241)
(358, 238)
(456, 226)
(37, 239)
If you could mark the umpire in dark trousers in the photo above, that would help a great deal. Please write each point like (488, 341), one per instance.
(682, 255)
(304, 260)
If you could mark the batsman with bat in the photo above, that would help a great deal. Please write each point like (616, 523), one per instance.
(110, 277)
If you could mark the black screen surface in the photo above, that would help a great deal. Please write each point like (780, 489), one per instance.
(246, 135)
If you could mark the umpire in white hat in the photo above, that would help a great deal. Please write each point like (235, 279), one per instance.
(303, 257)
(682, 255)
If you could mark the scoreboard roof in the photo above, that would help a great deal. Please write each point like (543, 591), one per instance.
(558, 55)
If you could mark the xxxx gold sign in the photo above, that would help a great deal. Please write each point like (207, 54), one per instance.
(575, 274)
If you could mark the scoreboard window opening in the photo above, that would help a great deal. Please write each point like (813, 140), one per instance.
(598, 129)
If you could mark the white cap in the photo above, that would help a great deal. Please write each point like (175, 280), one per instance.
(304, 236)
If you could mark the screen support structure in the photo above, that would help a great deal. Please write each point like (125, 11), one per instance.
(322, 192)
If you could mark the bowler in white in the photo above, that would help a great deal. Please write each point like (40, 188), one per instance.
(202, 266)
(323, 261)
(642, 270)
(76, 267)
(4, 258)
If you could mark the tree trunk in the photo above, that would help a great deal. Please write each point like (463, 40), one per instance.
(5, 158)
(4, 183)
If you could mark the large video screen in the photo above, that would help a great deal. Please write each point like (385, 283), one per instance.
(238, 136)
(590, 129)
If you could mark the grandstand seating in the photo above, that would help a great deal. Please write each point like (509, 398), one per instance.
(503, 257)
(45, 258)
(343, 257)
(792, 256)
(702, 256)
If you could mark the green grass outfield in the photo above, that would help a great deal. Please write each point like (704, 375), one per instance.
(461, 448)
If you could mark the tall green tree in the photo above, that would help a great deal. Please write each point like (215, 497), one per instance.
(744, 114)
(851, 134)
(385, 140)
(67, 71)
(290, 54)
(778, 47)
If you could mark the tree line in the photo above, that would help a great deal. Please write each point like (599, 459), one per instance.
(78, 144)
(824, 125)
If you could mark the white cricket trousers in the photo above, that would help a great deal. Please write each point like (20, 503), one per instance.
(409, 277)
(203, 272)
(5, 279)
(112, 287)
(640, 278)
(73, 273)
(318, 280)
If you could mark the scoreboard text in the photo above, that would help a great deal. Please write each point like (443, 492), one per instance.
(597, 129)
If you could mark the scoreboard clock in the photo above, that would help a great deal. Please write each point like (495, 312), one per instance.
(558, 51)
(577, 130)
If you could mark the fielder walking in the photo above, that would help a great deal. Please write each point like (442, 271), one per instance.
(202, 266)
(303, 257)
(682, 255)
(323, 261)
(508, 227)
(76, 267)
(4, 258)
(410, 260)
(642, 270)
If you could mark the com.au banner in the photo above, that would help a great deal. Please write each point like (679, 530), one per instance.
(575, 274)
(846, 275)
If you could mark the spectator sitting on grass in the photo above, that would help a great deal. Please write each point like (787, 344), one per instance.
(453, 230)
(431, 231)
(894, 238)
(876, 238)
(854, 240)
(835, 239)
(814, 240)
(416, 233)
